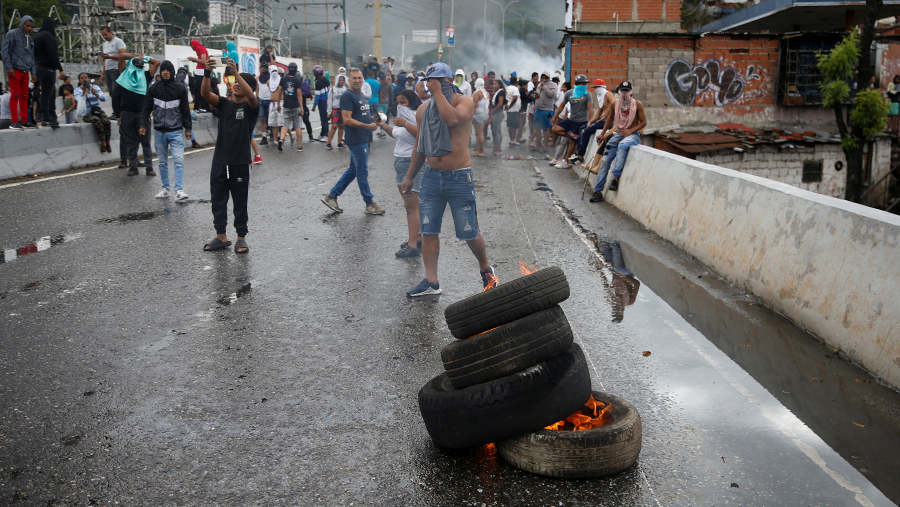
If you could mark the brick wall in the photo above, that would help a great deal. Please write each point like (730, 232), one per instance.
(628, 10)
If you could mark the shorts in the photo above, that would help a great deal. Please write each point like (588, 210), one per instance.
(481, 118)
(573, 127)
(336, 117)
(383, 108)
(292, 118)
(264, 108)
(512, 120)
(456, 188)
(401, 166)
(276, 119)
(542, 118)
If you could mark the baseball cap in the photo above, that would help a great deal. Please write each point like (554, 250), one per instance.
(599, 82)
(513, 74)
(438, 70)
(625, 85)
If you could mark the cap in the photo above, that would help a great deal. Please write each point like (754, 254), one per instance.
(599, 82)
(460, 72)
(546, 73)
(625, 85)
(293, 66)
(438, 70)
(513, 74)
(581, 79)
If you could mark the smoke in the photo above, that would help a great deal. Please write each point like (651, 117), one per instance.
(523, 57)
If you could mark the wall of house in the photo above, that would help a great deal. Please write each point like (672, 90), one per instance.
(626, 15)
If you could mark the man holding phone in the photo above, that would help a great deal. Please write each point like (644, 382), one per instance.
(112, 48)
(360, 120)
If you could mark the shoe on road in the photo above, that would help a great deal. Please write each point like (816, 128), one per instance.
(123, 165)
(54, 125)
(424, 288)
(418, 245)
(263, 141)
(322, 139)
(15, 126)
(29, 125)
(408, 251)
(374, 209)
(150, 171)
(195, 144)
(332, 203)
(562, 165)
(299, 148)
(280, 146)
(163, 194)
(553, 161)
(181, 196)
(596, 197)
(133, 171)
(489, 278)
(257, 159)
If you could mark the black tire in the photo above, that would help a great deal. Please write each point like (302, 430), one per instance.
(520, 403)
(507, 302)
(580, 454)
(508, 349)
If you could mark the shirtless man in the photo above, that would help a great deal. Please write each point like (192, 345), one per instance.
(629, 120)
(445, 125)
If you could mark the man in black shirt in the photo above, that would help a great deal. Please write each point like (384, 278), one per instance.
(130, 101)
(230, 172)
(290, 88)
(46, 58)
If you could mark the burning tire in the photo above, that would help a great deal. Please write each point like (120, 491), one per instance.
(513, 405)
(580, 454)
(508, 302)
(508, 349)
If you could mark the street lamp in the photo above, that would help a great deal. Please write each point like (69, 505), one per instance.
(503, 24)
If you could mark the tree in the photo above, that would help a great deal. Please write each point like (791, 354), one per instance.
(182, 18)
(37, 9)
(868, 115)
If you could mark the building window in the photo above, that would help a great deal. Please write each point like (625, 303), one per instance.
(812, 171)
(798, 74)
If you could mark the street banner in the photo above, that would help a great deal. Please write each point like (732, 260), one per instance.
(450, 42)
(344, 27)
(450, 30)
(248, 52)
(440, 47)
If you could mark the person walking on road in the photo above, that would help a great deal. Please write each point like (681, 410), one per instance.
(359, 124)
(498, 101)
(18, 60)
(230, 171)
(629, 120)
(168, 101)
(131, 93)
(290, 88)
(46, 59)
(92, 96)
(334, 108)
(321, 102)
(404, 133)
(442, 146)
(482, 101)
(111, 50)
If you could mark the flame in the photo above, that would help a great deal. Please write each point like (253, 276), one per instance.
(582, 420)
(527, 269)
(493, 283)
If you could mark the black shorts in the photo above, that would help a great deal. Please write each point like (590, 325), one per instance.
(512, 120)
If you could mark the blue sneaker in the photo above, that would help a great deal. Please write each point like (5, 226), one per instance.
(489, 279)
(424, 288)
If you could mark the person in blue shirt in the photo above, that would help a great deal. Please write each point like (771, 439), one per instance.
(376, 89)
(94, 114)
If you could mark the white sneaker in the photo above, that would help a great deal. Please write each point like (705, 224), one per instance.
(323, 139)
(163, 194)
(181, 196)
(562, 165)
(553, 161)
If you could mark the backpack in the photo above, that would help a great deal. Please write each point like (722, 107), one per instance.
(305, 89)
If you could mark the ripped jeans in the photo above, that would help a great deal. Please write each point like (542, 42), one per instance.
(456, 188)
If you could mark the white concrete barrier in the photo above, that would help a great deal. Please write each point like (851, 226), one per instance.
(830, 265)
(46, 150)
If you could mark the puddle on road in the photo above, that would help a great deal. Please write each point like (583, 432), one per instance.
(234, 296)
(134, 217)
(37, 245)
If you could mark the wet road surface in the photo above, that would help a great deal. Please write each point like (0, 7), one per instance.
(138, 370)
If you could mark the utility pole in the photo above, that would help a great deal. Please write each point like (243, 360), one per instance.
(452, 5)
(346, 29)
(328, 33)
(484, 45)
(377, 46)
(305, 31)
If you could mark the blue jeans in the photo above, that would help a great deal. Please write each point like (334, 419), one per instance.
(359, 169)
(175, 141)
(616, 149)
(453, 188)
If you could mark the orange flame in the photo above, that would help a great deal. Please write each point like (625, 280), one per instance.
(583, 420)
(527, 269)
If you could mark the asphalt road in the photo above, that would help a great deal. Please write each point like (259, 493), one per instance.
(136, 369)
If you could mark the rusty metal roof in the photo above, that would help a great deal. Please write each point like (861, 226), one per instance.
(696, 142)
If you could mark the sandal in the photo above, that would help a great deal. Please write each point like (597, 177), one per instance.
(215, 244)
(241, 244)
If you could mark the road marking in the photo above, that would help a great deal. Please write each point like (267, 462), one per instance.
(49, 178)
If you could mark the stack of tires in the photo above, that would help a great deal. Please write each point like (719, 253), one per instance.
(514, 370)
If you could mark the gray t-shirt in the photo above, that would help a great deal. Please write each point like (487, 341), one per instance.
(578, 107)
(112, 47)
(547, 96)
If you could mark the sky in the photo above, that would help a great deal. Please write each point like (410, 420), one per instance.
(404, 16)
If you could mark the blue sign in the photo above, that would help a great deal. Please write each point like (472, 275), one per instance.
(450, 41)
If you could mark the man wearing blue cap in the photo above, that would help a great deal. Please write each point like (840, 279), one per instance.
(442, 145)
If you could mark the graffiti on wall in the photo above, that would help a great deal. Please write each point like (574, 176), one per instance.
(684, 82)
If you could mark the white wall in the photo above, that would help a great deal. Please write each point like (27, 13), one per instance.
(828, 264)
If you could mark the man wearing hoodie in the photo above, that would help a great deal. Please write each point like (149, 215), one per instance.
(18, 60)
(321, 101)
(46, 59)
(168, 101)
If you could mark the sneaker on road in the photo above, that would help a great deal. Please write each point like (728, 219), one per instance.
(322, 139)
(562, 165)
(341, 145)
(374, 209)
(418, 245)
(299, 148)
(133, 171)
(15, 126)
(163, 194)
(263, 141)
(257, 159)
(596, 197)
(29, 125)
(150, 171)
(408, 251)
(280, 146)
(553, 161)
(424, 288)
(332, 203)
(489, 279)
(181, 196)
(123, 165)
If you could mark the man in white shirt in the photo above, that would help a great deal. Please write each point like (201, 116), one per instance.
(264, 97)
(112, 48)
(512, 113)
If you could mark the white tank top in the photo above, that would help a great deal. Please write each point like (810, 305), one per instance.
(481, 107)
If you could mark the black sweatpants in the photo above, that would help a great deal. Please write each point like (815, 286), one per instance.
(309, 129)
(233, 180)
(129, 135)
(585, 138)
(47, 106)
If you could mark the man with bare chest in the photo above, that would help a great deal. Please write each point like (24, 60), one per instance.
(442, 152)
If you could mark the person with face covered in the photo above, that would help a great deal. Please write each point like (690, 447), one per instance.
(18, 60)
(168, 101)
(480, 119)
(131, 93)
(46, 58)
(334, 105)
(581, 108)
(628, 119)
(604, 106)
(442, 147)
(459, 79)
(404, 131)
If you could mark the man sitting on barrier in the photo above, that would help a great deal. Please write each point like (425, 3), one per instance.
(604, 105)
(629, 120)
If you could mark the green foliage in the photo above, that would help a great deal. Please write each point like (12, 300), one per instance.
(192, 8)
(514, 28)
(837, 66)
(420, 62)
(869, 113)
(37, 9)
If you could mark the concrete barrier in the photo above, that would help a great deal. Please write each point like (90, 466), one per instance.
(46, 150)
(830, 265)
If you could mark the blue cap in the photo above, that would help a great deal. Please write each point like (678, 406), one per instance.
(513, 74)
(437, 70)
